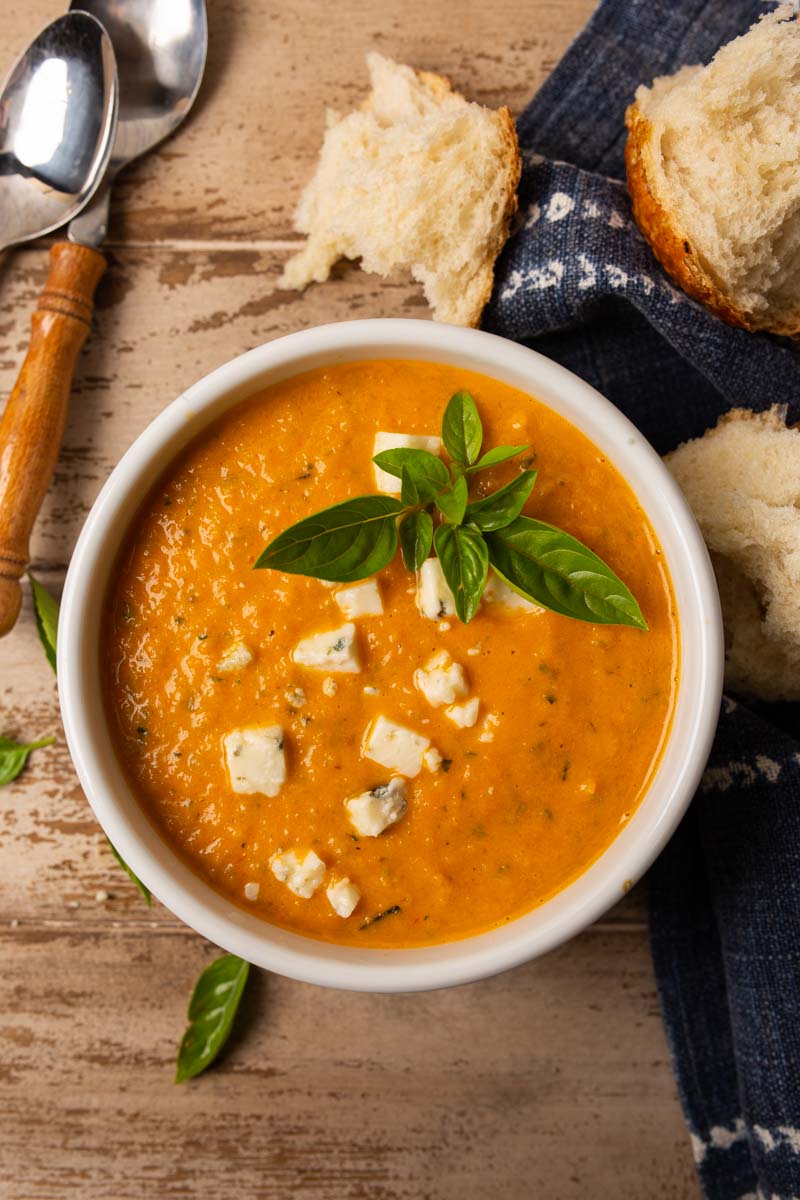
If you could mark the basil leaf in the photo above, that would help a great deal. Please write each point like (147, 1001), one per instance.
(45, 608)
(427, 479)
(454, 503)
(408, 488)
(212, 1009)
(503, 506)
(141, 886)
(465, 563)
(493, 458)
(557, 571)
(416, 537)
(349, 541)
(422, 462)
(14, 755)
(462, 432)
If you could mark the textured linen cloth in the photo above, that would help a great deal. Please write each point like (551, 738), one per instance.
(578, 283)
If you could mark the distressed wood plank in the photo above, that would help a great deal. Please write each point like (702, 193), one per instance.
(236, 168)
(550, 1080)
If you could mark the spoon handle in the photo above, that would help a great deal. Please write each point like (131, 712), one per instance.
(33, 422)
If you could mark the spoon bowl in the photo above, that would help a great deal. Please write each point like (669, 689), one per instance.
(58, 114)
(160, 48)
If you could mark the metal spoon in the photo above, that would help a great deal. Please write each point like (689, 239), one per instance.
(58, 113)
(161, 54)
(160, 46)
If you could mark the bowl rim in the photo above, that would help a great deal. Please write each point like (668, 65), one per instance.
(584, 899)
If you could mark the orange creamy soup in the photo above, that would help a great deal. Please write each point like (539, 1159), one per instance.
(199, 664)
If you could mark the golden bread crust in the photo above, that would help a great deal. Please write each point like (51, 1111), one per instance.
(671, 245)
(513, 159)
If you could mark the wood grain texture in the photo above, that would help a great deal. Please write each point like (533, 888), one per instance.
(519, 1085)
(235, 169)
(551, 1080)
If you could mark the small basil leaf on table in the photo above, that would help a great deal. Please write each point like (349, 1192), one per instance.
(45, 608)
(493, 458)
(416, 538)
(557, 571)
(503, 506)
(465, 562)
(422, 464)
(453, 504)
(462, 432)
(14, 755)
(212, 1009)
(344, 543)
(131, 875)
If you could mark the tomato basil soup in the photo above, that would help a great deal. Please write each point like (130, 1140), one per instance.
(323, 756)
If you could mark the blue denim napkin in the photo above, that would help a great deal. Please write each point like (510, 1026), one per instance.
(578, 283)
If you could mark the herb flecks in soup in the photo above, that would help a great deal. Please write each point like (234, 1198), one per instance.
(353, 762)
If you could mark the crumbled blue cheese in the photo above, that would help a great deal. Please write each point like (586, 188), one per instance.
(343, 896)
(464, 715)
(400, 441)
(432, 759)
(251, 891)
(329, 686)
(434, 598)
(498, 592)
(296, 697)
(394, 747)
(360, 600)
(334, 650)
(302, 873)
(372, 812)
(441, 680)
(235, 658)
(490, 722)
(256, 759)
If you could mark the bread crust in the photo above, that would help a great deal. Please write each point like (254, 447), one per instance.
(440, 86)
(508, 132)
(670, 243)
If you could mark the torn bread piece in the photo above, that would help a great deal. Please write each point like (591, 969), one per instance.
(742, 479)
(713, 161)
(418, 179)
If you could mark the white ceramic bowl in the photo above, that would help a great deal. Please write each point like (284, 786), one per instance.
(640, 840)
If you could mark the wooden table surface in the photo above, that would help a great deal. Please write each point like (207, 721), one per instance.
(552, 1080)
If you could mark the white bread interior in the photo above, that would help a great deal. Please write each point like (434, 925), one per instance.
(742, 479)
(723, 162)
(419, 179)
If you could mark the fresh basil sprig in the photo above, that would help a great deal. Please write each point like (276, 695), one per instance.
(212, 1008)
(45, 608)
(347, 542)
(557, 571)
(14, 755)
(143, 888)
(355, 539)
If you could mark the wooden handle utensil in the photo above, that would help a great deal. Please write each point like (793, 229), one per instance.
(33, 422)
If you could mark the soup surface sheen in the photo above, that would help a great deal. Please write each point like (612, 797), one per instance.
(572, 716)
